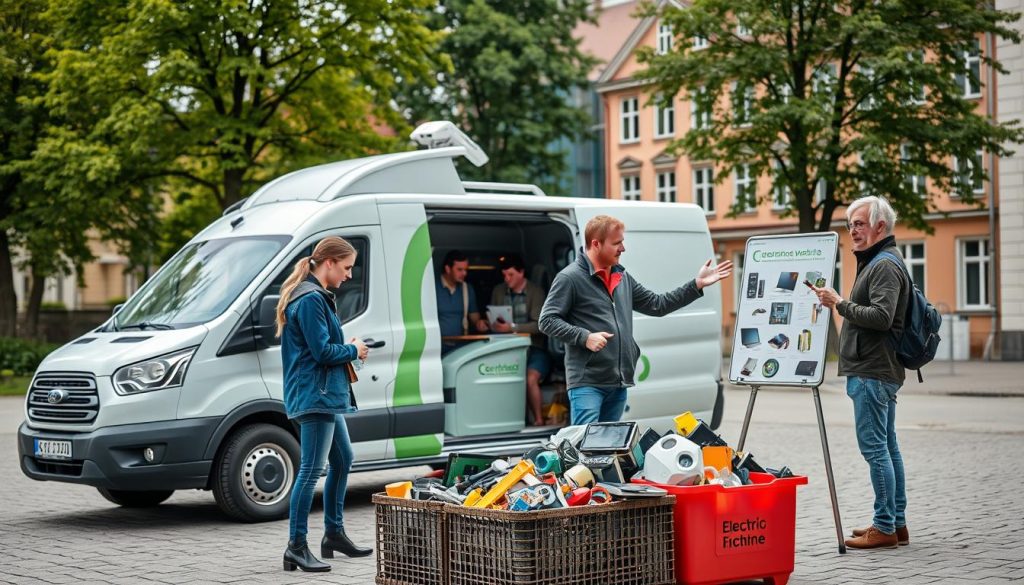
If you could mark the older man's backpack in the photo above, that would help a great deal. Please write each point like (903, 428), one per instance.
(920, 339)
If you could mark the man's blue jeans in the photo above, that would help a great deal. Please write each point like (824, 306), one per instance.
(323, 437)
(874, 411)
(588, 404)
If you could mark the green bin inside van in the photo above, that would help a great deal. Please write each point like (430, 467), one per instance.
(485, 386)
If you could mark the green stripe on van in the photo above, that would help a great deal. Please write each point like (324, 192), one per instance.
(416, 446)
(407, 377)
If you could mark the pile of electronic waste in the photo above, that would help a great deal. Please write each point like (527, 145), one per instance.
(589, 465)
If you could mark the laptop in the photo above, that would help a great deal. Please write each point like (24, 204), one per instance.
(787, 282)
(806, 368)
(749, 337)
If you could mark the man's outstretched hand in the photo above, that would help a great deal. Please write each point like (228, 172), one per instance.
(708, 274)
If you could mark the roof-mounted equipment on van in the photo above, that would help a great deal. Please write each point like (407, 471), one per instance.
(502, 188)
(441, 134)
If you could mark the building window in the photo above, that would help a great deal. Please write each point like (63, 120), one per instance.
(969, 173)
(820, 191)
(664, 38)
(700, 110)
(916, 184)
(913, 256)
(742, 31)
(631, 187)
(704, 188)
(745, 188)
(742, 103)
(916, 87)
(664, 118)
(973, 274)
(667, 187)
(629, 117)
(780, 192)
(969, 79)
(700, 42)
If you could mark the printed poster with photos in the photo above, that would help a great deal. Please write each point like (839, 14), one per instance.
(780, 326)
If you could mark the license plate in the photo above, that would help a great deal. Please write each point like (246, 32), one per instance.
(53, 449)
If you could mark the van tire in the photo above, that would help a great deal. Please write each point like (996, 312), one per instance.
(263, 445)
(135, 499)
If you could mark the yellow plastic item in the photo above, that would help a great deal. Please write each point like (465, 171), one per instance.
(686, 423)
(511, 478)
(473, 497)
(401, 489)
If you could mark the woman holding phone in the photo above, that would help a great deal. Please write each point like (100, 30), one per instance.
(317, 395)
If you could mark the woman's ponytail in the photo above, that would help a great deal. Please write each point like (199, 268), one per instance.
(299, 273)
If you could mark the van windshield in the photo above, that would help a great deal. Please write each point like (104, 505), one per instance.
(199, 283)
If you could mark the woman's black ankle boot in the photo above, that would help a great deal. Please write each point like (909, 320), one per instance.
(299, 556)
(341, 543)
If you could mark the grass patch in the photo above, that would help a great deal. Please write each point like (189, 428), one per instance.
(16, 386)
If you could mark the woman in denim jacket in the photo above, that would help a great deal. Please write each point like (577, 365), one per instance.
(317, 394)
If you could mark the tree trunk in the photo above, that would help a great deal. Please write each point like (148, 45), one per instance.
(232, 187)
(35, 301)
(8, 299)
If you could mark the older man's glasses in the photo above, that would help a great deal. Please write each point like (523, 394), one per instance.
(856, 225)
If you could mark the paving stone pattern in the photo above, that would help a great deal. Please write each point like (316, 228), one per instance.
(966, 520)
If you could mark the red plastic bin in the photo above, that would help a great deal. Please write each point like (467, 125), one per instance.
(735, 533)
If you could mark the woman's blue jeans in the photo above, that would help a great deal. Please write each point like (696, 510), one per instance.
(323, 438)
(874, 411)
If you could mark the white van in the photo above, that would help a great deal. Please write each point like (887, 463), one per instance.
(182, 387)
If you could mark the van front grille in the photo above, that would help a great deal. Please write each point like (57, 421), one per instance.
(63, 398)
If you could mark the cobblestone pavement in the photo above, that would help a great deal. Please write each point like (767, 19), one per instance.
(966, 511)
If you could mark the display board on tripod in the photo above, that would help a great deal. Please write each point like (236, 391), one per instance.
(781, 329)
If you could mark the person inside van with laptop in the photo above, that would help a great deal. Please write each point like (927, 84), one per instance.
(457, 312)
(526, 300)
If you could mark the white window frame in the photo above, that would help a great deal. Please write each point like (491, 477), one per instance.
(742, 31)
(743, 106)
(704, 188)
(700, 43)
(922, 98)
(971, 62)
(699, 119)
(781, 195)
(985, 264)
(630, 187)
(967, 173)
(918, 183)
(665, 38)
(629, 118)
(664, 118)
(747, 181)
(906, 248)
(665, 186)
(820, 189)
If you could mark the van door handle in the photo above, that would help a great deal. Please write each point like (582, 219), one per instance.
(370, 343)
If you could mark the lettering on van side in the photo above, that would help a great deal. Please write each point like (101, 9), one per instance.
(497, 369)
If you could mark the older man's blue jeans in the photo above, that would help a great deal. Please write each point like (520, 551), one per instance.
(874, 411)
(588, 404)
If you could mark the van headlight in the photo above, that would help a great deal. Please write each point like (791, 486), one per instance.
(159, 373)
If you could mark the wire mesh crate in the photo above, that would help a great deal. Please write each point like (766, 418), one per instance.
(411, 541)
(626, 543)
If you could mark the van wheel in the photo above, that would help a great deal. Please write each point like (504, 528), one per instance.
(254, 473)
(134, 499)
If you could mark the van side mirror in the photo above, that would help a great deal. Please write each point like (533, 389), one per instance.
(117, 308)
(266, 325)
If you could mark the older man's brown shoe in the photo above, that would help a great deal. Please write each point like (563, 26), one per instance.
(873, 538)
(902, 534)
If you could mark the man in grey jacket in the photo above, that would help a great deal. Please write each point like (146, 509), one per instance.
(590, 309)
(875, 311)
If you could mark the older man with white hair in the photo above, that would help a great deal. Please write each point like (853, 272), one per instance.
(874, 312)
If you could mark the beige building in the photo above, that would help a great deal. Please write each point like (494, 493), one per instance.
(955, 266)
(105, 279)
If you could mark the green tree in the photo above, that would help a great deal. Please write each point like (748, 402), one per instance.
(838, 99)
(224, 94)
(515, 68)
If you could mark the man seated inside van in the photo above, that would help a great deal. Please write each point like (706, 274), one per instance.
(457, 313)
(526, 300)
